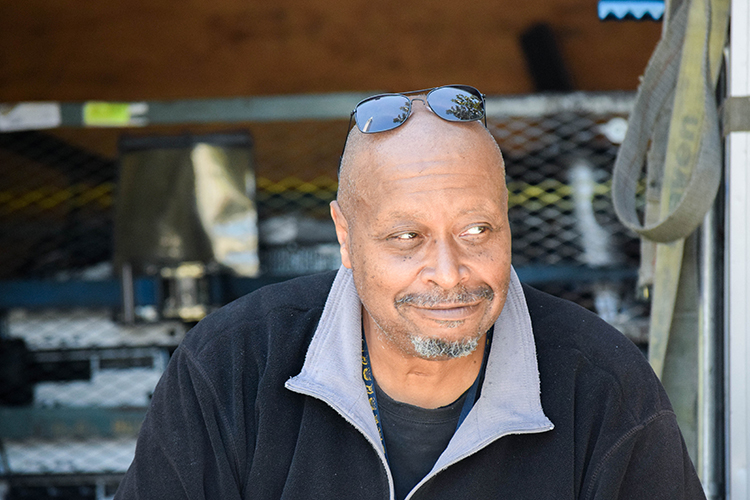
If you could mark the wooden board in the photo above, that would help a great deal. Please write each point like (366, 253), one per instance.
(72, 50)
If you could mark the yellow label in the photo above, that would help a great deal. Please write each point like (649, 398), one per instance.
(106, 114)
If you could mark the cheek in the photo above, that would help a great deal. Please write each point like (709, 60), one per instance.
(380, 280)
(492, 266)
(386, 275)
(500, 254)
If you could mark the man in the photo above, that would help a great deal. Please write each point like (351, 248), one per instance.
(423, 368)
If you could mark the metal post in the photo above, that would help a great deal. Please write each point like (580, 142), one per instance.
(128, 294)
(737, 259)
(710, 394)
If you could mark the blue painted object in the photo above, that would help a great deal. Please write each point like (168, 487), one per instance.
(631, 9)
(38, 294)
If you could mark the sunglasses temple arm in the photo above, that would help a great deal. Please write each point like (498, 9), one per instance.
(343, 150)
(484, 105)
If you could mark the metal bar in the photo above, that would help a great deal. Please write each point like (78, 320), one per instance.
(37, 294)
(128, 293)
(547, 104)
(69, 423)
(710, 394)
(333, 106)
(260, 109)
(737, 259)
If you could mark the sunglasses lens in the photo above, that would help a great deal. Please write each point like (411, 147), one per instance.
(381, 113)
(457, 104)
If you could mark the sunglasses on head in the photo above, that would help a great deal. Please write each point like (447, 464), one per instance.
(454, 103)
(382, 112)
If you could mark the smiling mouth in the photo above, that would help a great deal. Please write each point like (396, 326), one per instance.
(448, 312)
(448, 307)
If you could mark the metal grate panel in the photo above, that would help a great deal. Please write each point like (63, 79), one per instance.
(57, 194)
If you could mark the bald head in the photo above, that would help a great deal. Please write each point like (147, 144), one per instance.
(423, 140)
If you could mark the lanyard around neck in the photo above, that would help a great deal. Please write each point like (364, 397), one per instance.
(471, 395)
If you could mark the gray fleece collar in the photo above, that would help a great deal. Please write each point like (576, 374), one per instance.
(510, 401)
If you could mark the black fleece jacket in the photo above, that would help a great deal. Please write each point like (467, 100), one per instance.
(223, 426)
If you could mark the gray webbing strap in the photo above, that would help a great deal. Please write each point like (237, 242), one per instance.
(684, 162)
(696, 176)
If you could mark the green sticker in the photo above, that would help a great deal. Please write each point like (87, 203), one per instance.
(106, 114)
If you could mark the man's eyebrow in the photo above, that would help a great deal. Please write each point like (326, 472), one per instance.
(416, 215)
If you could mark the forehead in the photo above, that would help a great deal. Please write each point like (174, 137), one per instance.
(426, 160)
(433, 188)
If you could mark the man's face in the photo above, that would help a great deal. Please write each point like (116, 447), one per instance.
(429, 245)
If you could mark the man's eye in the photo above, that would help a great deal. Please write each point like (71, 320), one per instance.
(405, 236)
(475, 230)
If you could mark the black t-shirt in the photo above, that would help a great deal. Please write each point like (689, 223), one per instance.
(415, 437)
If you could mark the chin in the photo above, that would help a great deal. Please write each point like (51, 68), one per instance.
(440, 348)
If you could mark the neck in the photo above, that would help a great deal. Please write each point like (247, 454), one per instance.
(416, 381)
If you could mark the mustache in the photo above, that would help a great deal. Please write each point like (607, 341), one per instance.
(459, 296)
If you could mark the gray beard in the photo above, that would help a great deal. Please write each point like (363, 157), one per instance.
(431, 348)
(437, 348)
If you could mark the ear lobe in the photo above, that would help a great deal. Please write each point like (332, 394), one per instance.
(342, 233)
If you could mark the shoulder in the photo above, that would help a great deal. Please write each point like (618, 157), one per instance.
(562, 325)
(607, 403)
(578, 348)
(559, 323)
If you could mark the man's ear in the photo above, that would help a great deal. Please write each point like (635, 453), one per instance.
(342, 233)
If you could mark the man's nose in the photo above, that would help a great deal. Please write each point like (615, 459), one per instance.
(446, 267)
